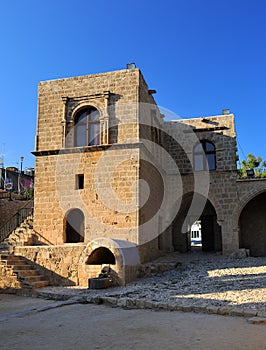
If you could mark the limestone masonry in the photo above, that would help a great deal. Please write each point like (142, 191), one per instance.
(117, 184)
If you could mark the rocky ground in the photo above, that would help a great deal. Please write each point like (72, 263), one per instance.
(199, 282)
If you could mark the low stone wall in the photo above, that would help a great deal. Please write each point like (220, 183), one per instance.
(8, 278)
(66, 265)
(59, 264)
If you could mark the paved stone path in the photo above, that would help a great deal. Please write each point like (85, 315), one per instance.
(200, 282)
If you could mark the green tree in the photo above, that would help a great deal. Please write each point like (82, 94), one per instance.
(28, 193)
(252, 163)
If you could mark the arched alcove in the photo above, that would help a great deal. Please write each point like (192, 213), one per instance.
(252, 224)
(101, 256)
(74, 226)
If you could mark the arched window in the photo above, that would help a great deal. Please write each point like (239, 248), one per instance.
(87, 127)
(204, 156)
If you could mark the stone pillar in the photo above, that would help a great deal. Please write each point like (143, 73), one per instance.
(63, 122)
(230, 239)
(104, 122)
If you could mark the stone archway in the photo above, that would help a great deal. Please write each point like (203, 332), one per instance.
(210, 229)
(123, 256)
(74, 226)
(101, 256)
(252, 224)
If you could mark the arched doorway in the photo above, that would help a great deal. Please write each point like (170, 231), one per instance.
(252, 223)
(211, 237)
(74, 226)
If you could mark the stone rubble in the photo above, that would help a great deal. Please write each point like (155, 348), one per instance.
(200, 282)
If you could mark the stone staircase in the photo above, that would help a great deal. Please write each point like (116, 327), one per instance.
(17, 272)
(22, 236)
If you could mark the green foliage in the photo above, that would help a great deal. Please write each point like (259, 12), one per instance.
(27, 193)
(252, 163)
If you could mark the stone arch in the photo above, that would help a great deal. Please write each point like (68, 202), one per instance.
(123, 256)
(84, 105)
(101, 255)
(252, 224)
(244, 199)
(248, 197)
(74, 226)
(211, 230)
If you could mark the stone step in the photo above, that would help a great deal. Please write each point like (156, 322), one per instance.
(22, 267)
(13, 262)
(40, 284)
(4, 256)
(30, 279)
(23, 271)
(27, 272)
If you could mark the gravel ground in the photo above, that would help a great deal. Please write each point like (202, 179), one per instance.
(199, 282)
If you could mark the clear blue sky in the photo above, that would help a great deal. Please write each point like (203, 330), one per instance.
(200, 55)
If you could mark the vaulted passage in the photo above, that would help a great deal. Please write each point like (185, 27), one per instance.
(252, 223)
(74, 226)
(210, 230)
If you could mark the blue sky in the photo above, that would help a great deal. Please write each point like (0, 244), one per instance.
(200, 55)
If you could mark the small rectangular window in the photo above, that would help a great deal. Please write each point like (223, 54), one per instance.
(79, 182)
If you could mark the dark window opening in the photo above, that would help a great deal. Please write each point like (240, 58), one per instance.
(204, 156)
(80, 181)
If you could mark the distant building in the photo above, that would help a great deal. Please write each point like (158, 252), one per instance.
(15, 181)
(195, 233)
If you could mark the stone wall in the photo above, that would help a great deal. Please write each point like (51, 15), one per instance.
(110, 197)
(108, 180)
(59, 264)
(114, 94)
(218, 186)
(109, 170)
(68, 264)
(8, 279)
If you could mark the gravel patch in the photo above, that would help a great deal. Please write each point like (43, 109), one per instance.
(200, 282)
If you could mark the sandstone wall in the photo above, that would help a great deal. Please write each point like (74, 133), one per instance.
(109, 198)
(218, 186)
(59, 264)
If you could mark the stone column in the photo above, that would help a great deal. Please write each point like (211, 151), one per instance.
(230, 239)
(104, 122)
(63, 121)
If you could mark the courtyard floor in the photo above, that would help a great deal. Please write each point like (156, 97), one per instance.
(39, 324)
(200, 282)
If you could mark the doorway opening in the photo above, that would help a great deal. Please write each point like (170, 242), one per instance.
(74, 226)
(203, 234)
(252, 224)
(195, 234)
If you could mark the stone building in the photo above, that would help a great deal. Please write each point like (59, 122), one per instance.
(117, 184)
